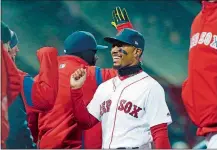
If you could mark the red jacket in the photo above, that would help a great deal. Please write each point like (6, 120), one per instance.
(40, 95)
(57, 128)
(199, 91)
(32, 92)
(4, 102)
(5, 92)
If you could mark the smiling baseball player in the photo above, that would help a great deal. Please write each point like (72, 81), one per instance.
(131, 106)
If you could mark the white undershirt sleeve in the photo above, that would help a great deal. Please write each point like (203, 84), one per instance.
(156, 107)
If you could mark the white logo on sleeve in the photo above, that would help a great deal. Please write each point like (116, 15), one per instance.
(62, 66)
(214, 43)
(206, 38)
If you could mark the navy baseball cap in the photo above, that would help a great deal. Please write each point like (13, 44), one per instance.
(14, 39)
(5, 33)
(81, 41)
(128, 36)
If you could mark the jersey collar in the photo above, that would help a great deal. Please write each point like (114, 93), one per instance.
(127, 76)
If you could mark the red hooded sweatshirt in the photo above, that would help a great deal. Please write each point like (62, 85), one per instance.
(15, 82)
(199, 91)
(5, 93)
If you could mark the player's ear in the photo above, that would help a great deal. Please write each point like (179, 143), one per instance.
(137, 52)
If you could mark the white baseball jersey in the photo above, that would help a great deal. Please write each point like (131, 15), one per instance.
(128, 108)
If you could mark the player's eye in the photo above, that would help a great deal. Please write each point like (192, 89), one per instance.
(117, 44)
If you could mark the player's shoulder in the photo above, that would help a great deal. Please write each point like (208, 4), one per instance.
(196, 20)
(151, 82)
(92, 70)
(66, 59)
(107, 84)
(64, 62)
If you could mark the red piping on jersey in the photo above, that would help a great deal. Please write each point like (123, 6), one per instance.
(117, 107)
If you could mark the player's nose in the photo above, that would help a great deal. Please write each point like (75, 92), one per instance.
(17, 50)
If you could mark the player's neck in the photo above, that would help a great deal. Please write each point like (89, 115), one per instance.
(129, 70)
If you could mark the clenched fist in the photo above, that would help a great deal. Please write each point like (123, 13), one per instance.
(77, 78)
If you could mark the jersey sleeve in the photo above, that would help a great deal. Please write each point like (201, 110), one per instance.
(41, 93)
(156, 107)
(4, 76)
(4, 101)
(94, 105)
(84, 119)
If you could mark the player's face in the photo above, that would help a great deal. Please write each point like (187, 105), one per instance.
(124, 55)
(7, 46)
(13, 52)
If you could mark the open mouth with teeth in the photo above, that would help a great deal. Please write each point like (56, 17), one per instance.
(117, 58)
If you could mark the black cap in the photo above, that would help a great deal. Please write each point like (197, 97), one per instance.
(128, 36)
(80, 41)
(5, 33)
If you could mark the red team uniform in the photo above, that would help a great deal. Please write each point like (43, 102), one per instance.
(6, 92)
(40, 95)
(199, 91)
(58, 128)
(37, 96)
(4, 115)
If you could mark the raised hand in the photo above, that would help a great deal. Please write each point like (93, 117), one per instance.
(77, 78)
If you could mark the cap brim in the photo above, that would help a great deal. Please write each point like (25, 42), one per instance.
(113, 40)
(100, 47)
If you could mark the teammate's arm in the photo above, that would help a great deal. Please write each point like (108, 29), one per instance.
(14, 79)
(4, 98)
(121, 19)
(158, 116)
(83, 117)
(40, 95)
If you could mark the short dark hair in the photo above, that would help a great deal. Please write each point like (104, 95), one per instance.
(5, 33)
(78, 54)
